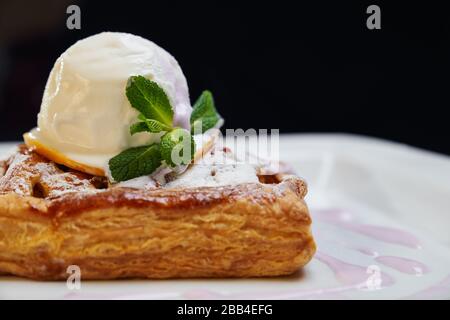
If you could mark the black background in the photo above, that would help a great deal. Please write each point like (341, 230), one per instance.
(300, 67)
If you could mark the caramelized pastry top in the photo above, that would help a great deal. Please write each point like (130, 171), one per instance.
(65, 191)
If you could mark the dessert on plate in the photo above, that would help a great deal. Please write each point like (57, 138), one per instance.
(125, 179)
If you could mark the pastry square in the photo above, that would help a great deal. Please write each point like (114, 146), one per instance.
(52, 217)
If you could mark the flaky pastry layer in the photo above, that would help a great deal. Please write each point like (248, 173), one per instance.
(247, 230)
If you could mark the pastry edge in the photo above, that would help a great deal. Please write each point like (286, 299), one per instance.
(256, 232)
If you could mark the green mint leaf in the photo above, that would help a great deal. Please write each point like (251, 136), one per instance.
(138, 127)
(177, 147)
(148, 125)
(149, 99)
(203, 124)
(156, 126)
(204, 114)
(135, 162)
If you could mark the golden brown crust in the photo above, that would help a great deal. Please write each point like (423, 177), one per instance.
(248, 230)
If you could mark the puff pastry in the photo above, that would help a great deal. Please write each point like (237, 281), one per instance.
(52, 217)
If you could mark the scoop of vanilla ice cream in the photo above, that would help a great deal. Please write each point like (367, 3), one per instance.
(85, 113)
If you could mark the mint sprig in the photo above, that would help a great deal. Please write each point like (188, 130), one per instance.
(149, 99)
(138, 127)
(149, 125)
(135, 162)
(204, 114)
(177, 146)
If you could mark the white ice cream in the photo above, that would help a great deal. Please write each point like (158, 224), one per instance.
(85, 114)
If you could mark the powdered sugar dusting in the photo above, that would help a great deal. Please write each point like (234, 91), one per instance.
(217, 168)
(29, 174)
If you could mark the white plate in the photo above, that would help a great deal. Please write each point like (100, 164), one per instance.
(381, 219)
